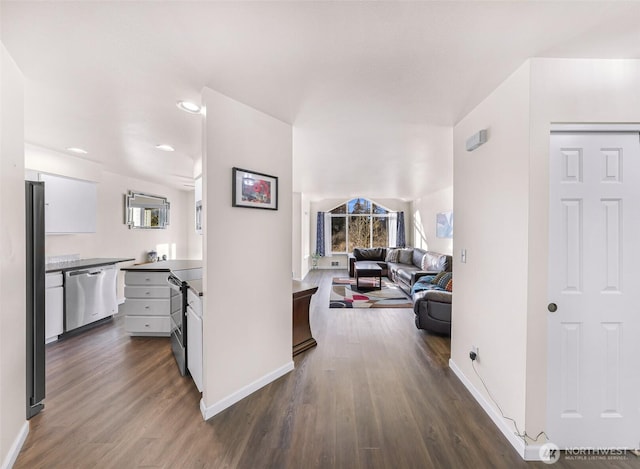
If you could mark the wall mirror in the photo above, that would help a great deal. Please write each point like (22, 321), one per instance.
(145, 211)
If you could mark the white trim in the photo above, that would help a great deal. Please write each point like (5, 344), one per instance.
(222, 404)
(12, 455)
(595, 127)
(526, 452)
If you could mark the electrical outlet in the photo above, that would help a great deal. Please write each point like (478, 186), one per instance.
(335, 263)
(474, 353)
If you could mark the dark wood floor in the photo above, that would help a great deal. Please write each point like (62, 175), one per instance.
(375, 393)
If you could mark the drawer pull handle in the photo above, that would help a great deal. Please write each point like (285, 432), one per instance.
(146, 307)
(146, 325)
(147, 293)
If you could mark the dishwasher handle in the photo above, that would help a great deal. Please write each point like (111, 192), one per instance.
(88, 273)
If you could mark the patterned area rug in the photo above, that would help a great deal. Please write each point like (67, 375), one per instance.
(345, 295)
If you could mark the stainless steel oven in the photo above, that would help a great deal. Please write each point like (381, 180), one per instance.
(179, 322)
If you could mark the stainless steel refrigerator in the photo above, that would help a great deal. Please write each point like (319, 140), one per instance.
(35, 296)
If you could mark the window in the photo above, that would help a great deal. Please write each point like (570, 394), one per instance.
(359, 223)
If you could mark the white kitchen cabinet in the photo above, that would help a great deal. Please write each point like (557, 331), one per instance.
(70, 205)
(147, 304)
(194, 337)
(54, 307)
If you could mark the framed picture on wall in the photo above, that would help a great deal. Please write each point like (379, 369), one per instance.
(444, 225)
(251, 189)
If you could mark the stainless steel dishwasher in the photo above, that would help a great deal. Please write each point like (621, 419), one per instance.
(90, 295)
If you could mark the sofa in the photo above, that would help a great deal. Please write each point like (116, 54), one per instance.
(416, 271)
(432, 297)
(403, 266)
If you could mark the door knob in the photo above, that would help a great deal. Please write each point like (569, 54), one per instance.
(552, 307)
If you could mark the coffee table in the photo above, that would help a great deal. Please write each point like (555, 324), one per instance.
(368, 270)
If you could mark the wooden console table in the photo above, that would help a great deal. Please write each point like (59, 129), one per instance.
(302, 338)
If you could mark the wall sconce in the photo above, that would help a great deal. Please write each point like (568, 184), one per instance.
(476, 140)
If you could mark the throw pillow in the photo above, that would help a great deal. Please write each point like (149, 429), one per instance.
(437, 278)
(449, 286)
(405, 256)
(392, 255)
(442, 282)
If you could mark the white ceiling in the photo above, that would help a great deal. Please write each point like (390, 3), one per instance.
(362, 83)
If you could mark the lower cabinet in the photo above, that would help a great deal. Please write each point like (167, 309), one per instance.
(147, 304)
(194, 338)
(54, 307)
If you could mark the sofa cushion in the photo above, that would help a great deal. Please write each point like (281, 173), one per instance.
(438, 295)
(392, 255)
(443, 279)
(418, 256)
(449, 286)
(435, 262)
(369, 254)
(404, 275)
(405, 256)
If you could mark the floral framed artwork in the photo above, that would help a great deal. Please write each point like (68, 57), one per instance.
(251, 189)
(444, 225)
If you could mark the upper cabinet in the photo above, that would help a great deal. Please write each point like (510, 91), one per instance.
(198, 197)
(70, 205)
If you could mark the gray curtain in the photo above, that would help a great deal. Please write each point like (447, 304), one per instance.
(320, 242)
(401, 239)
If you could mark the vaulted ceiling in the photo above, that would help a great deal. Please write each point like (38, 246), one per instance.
(370, 87)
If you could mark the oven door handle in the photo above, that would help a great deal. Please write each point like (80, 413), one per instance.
(174, 281)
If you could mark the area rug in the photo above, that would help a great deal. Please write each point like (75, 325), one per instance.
(345, 295)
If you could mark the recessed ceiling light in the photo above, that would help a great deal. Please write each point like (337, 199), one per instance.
(79, 151)
(188, 106)
(165, 147)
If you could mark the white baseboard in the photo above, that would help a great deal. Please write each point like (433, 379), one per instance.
(526, 452)
(222, 404)
(12, 455)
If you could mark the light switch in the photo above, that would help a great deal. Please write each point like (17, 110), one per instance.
(463, 256)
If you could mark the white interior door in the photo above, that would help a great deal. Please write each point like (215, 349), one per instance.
(594, 279)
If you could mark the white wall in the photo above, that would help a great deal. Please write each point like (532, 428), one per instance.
(572, 91)
(490, 206)
(13, 426)
(422, 219)
(247, 275)
(501, 208)
(300, 236)
(112, 237)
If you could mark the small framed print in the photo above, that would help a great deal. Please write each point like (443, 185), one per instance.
(254, 190)
(444, 225)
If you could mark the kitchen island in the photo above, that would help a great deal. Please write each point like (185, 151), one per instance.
(147, 306)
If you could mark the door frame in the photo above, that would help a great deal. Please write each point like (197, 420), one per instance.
(577, 128)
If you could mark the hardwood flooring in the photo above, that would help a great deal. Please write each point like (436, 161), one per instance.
(375, 393)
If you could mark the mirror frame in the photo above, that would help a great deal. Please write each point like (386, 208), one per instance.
(162, 205)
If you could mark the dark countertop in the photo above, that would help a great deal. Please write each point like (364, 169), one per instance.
(84, 264)
(165, 266)
(196, 285)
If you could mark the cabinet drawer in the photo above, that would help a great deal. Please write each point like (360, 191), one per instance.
(147, 325)
(144, 307)
(146, 278)
(195, 301)
(146, 292)
(53, 280)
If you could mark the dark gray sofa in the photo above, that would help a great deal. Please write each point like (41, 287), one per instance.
(432, 306)
(411, 264)
(433, 310)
